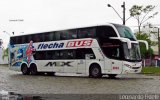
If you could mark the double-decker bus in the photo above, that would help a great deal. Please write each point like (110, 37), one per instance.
(97, 50)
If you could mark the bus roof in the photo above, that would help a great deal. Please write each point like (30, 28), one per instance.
(110, 24)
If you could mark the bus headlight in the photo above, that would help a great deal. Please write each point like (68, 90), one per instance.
(127, 65)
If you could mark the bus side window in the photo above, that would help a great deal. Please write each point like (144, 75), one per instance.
(57, 35)
(19, 40)
(51, 36)
(87, 32)
(82, 33)
(71, 54)
(91, 33)
(29, 38)
(56, 55)
(36, 38)
(90, 52)
(63, 35)
(13, 40)
(49, 55)
(24, 39)
(63, 54)
(46, 36)
(80, 54)
(40, 55)
(113, 51)
(72, 34)
(105, 32)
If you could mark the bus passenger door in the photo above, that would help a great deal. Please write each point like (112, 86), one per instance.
(81, 66)
(108, 65)
(81, 61)
(116, 60)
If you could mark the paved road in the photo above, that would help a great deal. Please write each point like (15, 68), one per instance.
(123, 84)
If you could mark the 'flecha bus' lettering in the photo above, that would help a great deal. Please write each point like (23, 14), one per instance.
(51, 45)
(79, 43)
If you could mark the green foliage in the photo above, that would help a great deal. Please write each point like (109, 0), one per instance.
(144, 52)
(151, 70)
(141, 14)
(5, 53)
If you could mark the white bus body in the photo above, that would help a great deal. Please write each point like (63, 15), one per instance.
(89, 56)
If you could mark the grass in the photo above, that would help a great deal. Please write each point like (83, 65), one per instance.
(151, 70)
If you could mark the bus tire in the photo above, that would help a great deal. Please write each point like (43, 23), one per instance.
(112, 76)
(95, 71)
(25, 69)
(33, 69)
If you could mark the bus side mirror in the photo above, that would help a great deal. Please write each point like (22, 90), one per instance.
(145, 42)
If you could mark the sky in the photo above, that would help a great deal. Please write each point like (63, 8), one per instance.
(29, 16)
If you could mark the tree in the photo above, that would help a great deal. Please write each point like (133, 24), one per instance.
(5, 53)
(141, 14)
(146, 37)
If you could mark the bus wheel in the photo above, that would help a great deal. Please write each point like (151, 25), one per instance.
(33, 69)
(112, 76)
(95, 71)
(25, 69)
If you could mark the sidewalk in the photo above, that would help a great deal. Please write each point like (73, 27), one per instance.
(4, 65)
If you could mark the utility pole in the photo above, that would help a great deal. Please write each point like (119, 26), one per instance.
(124, 8)
(158, 44)
(1, 43)
(157, 32)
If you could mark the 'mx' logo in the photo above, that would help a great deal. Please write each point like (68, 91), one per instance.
(58, 64)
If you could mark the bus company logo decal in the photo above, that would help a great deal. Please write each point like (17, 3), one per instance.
(59, 64)
(51, 45)
(115, 68)
(80, 43)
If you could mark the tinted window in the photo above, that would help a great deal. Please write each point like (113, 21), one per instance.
(57, 35)
(24, 39)
(72, 34)
(51, 55)
(37, 37)
(54, 55)
(63, 54)
(40, 55)
(13, 40)
(19, 40)
(67, 54)
(105, 32)
(81, 53)
(71, 54)
(63, 35)
(30, 38)
(49, 36)
(86, 33)
(113, 49)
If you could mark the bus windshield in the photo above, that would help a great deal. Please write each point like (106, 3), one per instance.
(132, 54)
(125, 32)
(119, 50)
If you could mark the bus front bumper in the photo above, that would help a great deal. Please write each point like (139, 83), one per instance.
(127, 70)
